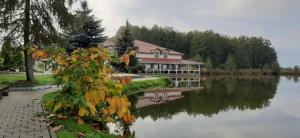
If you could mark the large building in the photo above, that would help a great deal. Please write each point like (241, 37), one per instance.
(157, 59)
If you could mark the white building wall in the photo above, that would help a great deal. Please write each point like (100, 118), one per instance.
(146, 55)
(174, 56)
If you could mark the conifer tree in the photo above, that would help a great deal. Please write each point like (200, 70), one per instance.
(125, 42)
(230, 63)
(88, 31)
(209, 64)
(36, 22)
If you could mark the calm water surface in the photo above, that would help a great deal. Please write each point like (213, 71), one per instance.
(226, 107)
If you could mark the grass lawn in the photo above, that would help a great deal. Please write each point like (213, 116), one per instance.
(12, 78)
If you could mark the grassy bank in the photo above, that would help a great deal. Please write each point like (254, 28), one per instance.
(71, 128)
(239, 72)
(20, 78)
(289, 73)
(136, 86)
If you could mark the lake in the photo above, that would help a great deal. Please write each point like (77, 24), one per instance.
(225, 107)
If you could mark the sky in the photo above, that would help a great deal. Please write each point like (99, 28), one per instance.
(276, 20)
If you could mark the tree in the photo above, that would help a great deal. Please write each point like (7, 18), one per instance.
(296, 69)
(209, 64)
(163, 36)
(12, 57)
(1, 61)
(248, 52)
(230, 63)
(28, 22)
(125, 41)
(275, 67)
(125, 44)
(88, 31)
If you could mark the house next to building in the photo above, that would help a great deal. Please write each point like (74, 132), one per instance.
(157, 59)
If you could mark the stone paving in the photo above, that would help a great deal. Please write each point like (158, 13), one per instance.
(21, 115)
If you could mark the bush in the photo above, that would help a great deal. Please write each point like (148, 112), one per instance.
(87, 90)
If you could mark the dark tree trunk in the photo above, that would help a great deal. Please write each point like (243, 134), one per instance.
(28, 58)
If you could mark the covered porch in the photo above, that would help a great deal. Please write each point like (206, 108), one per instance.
(165, 66)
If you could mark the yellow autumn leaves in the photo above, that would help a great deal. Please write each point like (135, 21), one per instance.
(40, 54)
(119, 106)
(126, 57)
(84, 75)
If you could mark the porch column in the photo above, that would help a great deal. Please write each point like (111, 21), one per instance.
(146, 69)
(199, 67)
(160, 66)
(152, 67)
(176, 68)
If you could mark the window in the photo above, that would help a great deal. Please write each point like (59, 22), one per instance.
(165, 55)
(156, 54)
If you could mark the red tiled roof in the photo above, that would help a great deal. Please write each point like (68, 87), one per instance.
(142, 46)
(167, 61)
(145, 47)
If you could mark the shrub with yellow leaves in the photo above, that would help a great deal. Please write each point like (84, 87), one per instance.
(87, 90)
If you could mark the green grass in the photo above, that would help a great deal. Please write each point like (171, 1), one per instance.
(13, 78)
(71, 130)
(146, 84)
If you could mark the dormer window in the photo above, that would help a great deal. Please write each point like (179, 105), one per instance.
(156, 54)
(165, 55)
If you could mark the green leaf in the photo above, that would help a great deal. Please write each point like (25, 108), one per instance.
(57, 106)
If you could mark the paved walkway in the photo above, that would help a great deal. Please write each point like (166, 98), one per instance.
(21, 116)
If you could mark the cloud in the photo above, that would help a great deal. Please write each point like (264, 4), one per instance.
(113, 12)
(277, 20)
(249, 8)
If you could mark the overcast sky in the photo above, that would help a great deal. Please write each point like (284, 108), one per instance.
(276, 20)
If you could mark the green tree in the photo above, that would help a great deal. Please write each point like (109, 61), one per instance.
(230, 63)
(248, 52)
(12, 57)
(208, 63)
(87, 31)
(163, 36)
(125, 42)
(34, 22)
(275, 67)
(296, 69)
(1, 61)
(211, 44)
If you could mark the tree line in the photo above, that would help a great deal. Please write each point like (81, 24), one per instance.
(49, 24)
(44, 24)
(215, 49)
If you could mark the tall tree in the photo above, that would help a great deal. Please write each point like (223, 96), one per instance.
(36, 22)
(230, 63)
(12, 56)
(125, 40)
(87, 31)
(1, 61)
(208, 63)
(162, 36)
(125, 44)
(248, 52)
